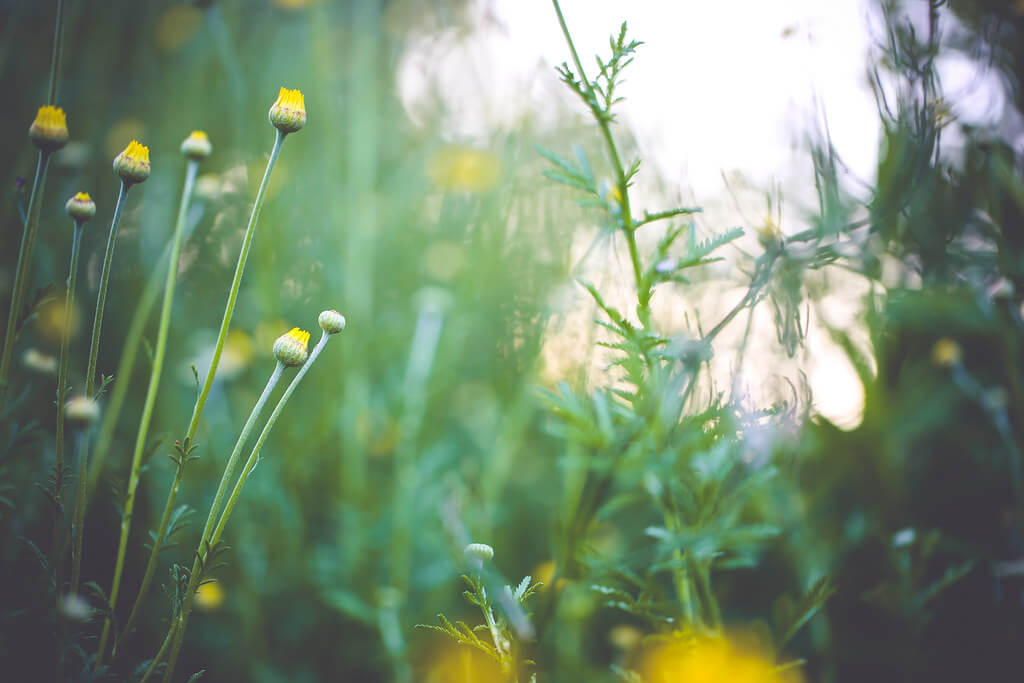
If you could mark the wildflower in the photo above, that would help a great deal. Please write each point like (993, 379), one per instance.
(197, 146)
(292, 348)
(331, 322)
(769, 235)
(946, 352)
(712, 659)
(81, 207)
(132, 165)
(49, 130)
(209, 595)
(289, 111)
(82, 410)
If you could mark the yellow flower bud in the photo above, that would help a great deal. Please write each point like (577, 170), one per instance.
(197, 146)
(49, 130)
(289, 111)
(132, 165)
(292, 348)
(81, 207)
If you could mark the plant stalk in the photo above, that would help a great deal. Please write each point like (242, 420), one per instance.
(22, 272)
(147, 413)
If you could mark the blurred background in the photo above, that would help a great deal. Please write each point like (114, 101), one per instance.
(884, 138)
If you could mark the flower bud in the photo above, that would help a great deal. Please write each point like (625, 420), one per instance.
(132, 165)
(197, 146)
(81, 207)
(331, 322)
(82, 411)
(292, 349)
(481, 552)
(49, 130)
(289, 111)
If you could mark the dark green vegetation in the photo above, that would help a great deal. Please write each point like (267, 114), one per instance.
(627, 475)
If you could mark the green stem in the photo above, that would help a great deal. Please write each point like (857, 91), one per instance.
(250, 464)
(58, 43)
(147, 410)
(229, 309)
(101, 296)
(254, 455)
(122, 376)
(628, 227)
(704, 576)
(62, 384)
(179, 620)
(57, 551)
(160, 653)
(22, 272)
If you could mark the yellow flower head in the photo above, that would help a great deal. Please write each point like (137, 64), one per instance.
(81, 207)
(209, 595)
(713, 659)
(946, 352)
(289, 111)
(197, 146)
(49, 131)
(132, 165)
(292, 348)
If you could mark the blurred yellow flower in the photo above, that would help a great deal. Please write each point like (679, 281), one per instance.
(946, 352)
(176, 25)
(461, 168)
(462, 664)
(237, 353)
(50, 320)
(49, 130)
(40, 362)
(685, 658)
(209, 595)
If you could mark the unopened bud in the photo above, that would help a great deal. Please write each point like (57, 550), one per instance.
(331, 322)
(81, 207)
(132, 165)
(292, 348)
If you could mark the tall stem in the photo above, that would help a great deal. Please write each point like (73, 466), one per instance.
(236, 282)
(57, 548)
(58, 44)
(101, 296)
(147, 410)
(254, 455)
(178, 621)
(22, 272)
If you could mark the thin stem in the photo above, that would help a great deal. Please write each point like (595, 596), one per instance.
(178, 622)
(58, 44)
(22, 272)
(147, 410)
(62, 387)
(236, 282)
(160, 653)
(250, 464)
(57, 550)
(122, 376)
(628, 228)
(101, 296)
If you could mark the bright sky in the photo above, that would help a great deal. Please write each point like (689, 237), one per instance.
(726, 87)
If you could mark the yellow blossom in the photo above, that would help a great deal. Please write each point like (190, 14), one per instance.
(49, 130)
(461, 168)
(209, 595)
(712, 659)
(288, 114)
(292, 348)
(132, 165)
(946, 352)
